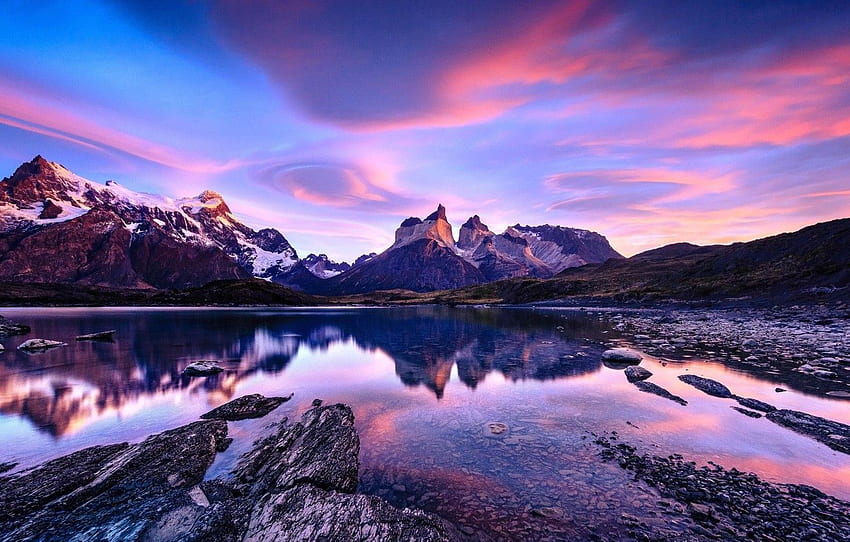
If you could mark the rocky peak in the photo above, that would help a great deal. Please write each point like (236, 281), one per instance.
(435, 227)
(39, 180)
(472, 233)
(439, 214)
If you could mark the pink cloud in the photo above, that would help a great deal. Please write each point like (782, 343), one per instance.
(39, 112)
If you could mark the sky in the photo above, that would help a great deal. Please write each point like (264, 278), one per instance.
(651, 122)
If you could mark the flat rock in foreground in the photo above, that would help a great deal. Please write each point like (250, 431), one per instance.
(247, 406)
(297, 484)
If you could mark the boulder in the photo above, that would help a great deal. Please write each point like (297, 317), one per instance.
(621, 356)
(40, 344)
(202, 368)
(636, 372)
(707, 385)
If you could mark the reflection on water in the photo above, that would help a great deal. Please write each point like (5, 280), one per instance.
(59, 389)
(424, 384)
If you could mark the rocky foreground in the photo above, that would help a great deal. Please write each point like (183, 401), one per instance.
(297, 484)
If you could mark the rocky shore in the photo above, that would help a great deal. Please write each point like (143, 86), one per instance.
(719, 504)
(805, 346)
(298, 483)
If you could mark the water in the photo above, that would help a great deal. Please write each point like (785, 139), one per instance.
(424, 384)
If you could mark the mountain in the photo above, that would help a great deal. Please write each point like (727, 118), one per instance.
(422, 258)
(61, 228)
(425, 257)
(323, 267)
(811, 263)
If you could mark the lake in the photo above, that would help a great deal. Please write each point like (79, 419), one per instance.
(427, 385)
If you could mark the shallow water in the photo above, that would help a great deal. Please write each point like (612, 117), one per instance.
(424, 383)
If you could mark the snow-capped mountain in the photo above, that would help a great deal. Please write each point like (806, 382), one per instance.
(323, 267)
(110, 235)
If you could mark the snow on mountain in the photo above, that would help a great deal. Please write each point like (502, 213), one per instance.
(41, 193)
(323, 267)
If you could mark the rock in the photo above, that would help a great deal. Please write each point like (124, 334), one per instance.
(8, 327)
(754, 404)
(296, 484)
(247, 406)
(624, 356)
(730, 504)
(547, 512)
(202, 368)
(839, 393)
(115, 492)
(707, 385)
(655, 389)
(750, 343)
(780, 390)
(823, 373)
(99, 336)
(496, 429)
(33, 345)
(6, 467)
(303, 480)
(834, 434)
(747, 412)
(636, 372)
(2, 347)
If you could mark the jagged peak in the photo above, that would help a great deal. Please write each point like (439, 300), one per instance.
(440, 213)
(475, 223)
(412, 221)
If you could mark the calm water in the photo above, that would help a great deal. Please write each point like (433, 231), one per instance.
(423, 383)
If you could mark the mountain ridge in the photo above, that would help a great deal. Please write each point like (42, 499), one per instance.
(56, 226)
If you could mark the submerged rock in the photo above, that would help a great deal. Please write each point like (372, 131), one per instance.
(707, 385)
(624, 356)
(202, 368)
(8, 327)
(747, 412)
(834, 434)
(247, 406)
(655, 389)
(754, 404)
(40, 344)
(99, 336)
(296, 484)
(635, 372)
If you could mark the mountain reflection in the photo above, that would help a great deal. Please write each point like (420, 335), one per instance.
(61, 389)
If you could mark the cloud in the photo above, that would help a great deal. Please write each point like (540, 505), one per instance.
(324, 184)
(40, 112)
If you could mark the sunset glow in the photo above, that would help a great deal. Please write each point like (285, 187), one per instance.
(649, 122)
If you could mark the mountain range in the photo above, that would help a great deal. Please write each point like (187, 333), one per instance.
(57, 227)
